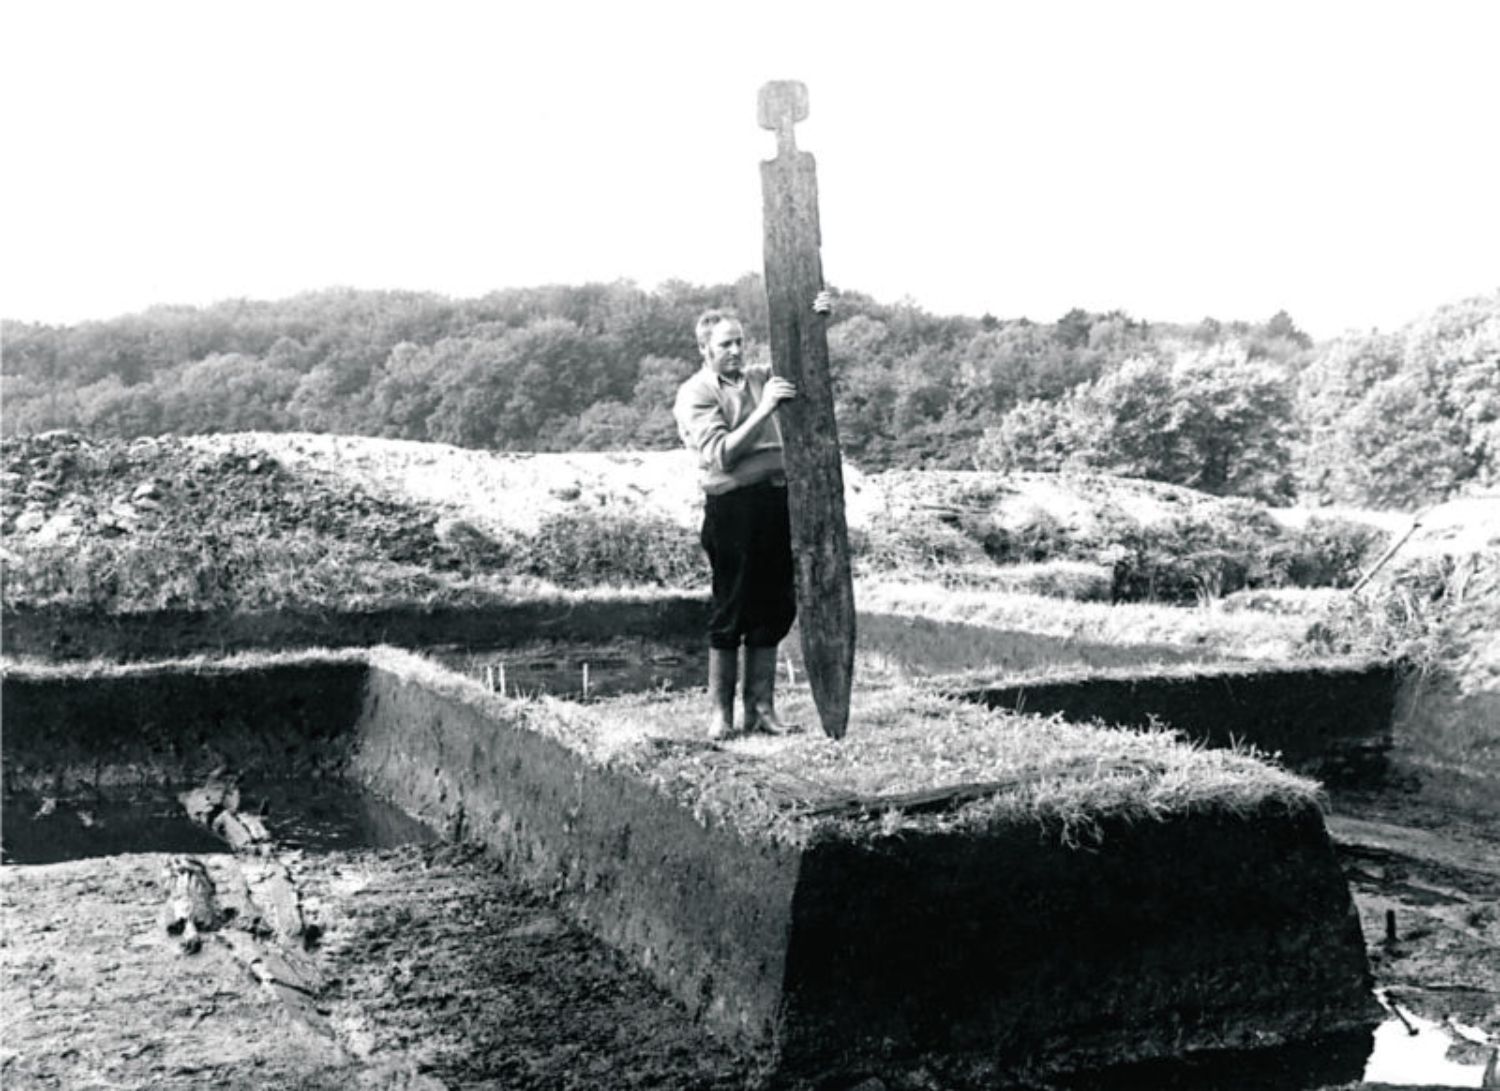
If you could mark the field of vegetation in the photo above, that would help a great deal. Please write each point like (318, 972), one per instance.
(1097, 478)
(1232, 408)
(262, 520)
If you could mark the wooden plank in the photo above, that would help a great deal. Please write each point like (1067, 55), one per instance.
(799, 352)
(952, 796)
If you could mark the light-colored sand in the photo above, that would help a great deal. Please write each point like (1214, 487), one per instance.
(505, 489)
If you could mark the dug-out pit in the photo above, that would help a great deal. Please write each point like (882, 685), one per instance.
(865, 940)
(1332, 719)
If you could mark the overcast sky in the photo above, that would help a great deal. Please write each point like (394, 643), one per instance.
(1339, 160)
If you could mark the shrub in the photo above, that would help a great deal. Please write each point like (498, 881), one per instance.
(213, 571)
(1327, 552)
(1152, 575)
(580, 548)
(1240, 546)
(1423, 613)
(1041, 537)
(913, 544)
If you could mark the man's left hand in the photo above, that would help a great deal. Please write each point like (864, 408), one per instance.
(823, 303)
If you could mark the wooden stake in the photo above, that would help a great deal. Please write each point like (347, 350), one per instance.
(814, 465)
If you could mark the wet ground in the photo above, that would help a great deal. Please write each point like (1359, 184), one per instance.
(579, 671)
(432, 969)
(1426, 881)
(43, 830)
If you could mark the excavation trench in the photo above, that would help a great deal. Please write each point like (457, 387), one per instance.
(976, 952)
(1332, 721)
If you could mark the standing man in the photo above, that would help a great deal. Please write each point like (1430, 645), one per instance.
(726, 415)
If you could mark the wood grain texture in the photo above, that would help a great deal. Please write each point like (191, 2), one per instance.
(799, 352)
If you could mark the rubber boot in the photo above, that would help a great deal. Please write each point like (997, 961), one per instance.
(760, 692)
(723, 672)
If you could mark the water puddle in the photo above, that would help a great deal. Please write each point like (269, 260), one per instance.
(47, 831)
(579, 672)
(1415, 1052)
(314, 817)
(330, 817)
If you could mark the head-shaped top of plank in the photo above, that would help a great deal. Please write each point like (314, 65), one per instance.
(783, 103)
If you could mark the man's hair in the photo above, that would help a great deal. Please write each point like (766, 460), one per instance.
(708, 320)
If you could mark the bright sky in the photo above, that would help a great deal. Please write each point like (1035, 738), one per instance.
(1338, 159)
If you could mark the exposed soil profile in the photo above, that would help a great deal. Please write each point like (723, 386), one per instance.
(63, 635)
(113, 732)
(1334, 722)
(975, 953)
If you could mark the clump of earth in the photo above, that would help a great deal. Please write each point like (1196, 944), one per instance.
(60, 488)
(406, 496)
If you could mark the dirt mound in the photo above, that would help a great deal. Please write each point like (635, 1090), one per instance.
(374, 489)
(505, 491)
(61, 488)
(1083, 502)
(497, 491)
(112, 522)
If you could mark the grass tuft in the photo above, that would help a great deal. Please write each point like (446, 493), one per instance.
(802, 787)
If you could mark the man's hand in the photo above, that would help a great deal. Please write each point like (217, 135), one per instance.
(823, 303)
(776, 391)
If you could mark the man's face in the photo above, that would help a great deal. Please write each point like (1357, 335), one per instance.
(725, 350)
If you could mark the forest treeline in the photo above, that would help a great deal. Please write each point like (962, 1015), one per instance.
(1252, 409)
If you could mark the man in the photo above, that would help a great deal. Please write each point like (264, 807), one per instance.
(726, 415)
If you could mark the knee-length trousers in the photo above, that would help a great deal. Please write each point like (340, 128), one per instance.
(747, 535)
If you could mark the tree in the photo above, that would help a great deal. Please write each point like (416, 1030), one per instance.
(1214, 421)
(228, 392)
(1405, 419)
(603, 426)
(405, 388)
(474, 379)
(1281, 325)
(1404, 450)
(1135, 417)
(858, 341)
(1233, 421)
(1072, 329)
(1208, 331)
(1036, 435)
(655, 391)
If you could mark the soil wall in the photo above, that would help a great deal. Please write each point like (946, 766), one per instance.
(61, 634)
(116, 734)
(1211, 931)
(976, 953)
(1334, 723)
(917, 645)
(921, 646)
(706, 913)
(1448, 742)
